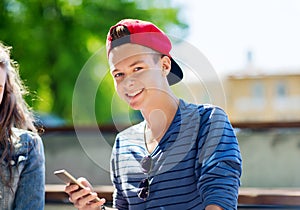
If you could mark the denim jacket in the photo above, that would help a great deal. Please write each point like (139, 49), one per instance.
(28, 161)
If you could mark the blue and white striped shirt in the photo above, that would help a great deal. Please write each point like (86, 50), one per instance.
(196, 163)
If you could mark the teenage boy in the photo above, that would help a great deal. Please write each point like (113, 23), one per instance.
(182, 156)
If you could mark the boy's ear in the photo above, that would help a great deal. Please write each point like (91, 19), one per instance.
(166, 65)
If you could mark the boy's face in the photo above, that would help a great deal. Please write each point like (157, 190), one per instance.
(2, 82)
(137, 74)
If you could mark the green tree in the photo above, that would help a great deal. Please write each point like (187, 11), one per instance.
(53, 39)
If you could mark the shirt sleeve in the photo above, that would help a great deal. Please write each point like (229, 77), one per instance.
(218, 165)
(31, 187)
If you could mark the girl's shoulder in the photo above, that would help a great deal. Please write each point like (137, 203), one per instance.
(25, 139)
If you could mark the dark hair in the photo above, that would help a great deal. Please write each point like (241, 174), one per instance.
(14, 111)
(119, 32)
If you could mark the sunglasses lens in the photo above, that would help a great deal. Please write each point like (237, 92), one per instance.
(143, 191)
(144, 183)
(146, 164)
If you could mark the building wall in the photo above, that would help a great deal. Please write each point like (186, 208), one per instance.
(263, 98)
(270, 158)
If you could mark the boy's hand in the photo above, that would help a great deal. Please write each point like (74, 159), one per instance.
(83, 199)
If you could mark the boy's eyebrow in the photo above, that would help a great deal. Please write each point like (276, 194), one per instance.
(131, 65)
(136, 62)
(112, 71)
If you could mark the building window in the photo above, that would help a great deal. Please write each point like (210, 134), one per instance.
(281, 90)
(258, 90)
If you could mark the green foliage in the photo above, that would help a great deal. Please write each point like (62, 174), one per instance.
(53, 39)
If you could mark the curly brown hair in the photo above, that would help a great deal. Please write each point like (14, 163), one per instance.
(14, 111)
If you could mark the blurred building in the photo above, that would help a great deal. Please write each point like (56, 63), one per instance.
(250, 94)
(258, 95)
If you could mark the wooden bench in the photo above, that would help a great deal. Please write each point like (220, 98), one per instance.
(56, 194)
(273, 196)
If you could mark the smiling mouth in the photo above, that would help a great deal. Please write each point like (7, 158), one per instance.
(134, 93)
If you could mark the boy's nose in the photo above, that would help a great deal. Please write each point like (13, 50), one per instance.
(129, 82)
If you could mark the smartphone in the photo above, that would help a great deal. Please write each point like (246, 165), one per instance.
(67, 178)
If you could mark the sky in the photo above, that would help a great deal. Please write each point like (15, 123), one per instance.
(225, 30)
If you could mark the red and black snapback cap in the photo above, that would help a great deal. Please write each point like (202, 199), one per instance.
(146, 34)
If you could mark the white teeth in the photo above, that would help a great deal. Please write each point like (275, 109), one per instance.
(134, 93)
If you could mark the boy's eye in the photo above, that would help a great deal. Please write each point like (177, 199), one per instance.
(138, 68)
(118, 75)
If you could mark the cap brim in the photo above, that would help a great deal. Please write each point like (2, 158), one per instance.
(175, 74)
